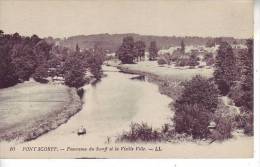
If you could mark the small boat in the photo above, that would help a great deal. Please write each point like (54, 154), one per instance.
(81, 131)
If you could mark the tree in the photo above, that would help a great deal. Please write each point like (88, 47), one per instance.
(24, 61)
(125, 53)
(95, 61)
(193, 109)
(247, 78)
(182, 47)
(75, 72)
(77, 48)
(153, 51)
(139, 50)
(20, 57)
(225, 69)
(8, 76)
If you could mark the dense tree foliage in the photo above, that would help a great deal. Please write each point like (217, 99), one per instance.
(75, 72)
(242, 91)
(153, 51)
(247, 77)
(130, 50)
(193, 109)
(225, 72)
(26, 57)
(20, 58)
(125, 53)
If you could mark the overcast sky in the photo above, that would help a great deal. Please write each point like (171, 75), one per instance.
(65, 18)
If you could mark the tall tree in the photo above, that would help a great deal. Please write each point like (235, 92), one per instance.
(96, 61)
(225, 69)
(125, 53)
(182, 47)
(153, 51)
(77, 48)
(247, 78)
(139, 50)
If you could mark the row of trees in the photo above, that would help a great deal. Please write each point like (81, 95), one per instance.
(22, 58)
(26, 57)
(131, 51)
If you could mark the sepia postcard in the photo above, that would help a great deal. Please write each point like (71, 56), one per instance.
(126, 79)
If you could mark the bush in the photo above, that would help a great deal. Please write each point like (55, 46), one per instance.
(240, 96)
(140, 132)
(249, 124)
(223, 128)
(192, 119)
(193, 109)
(161, 61)
(246, 121)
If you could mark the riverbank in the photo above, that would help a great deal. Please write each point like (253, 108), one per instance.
(173, 87)
(30, 109)
(168, 86)
(168, 78)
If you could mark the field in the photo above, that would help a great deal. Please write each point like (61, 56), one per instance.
(30, 109)
(166, 71)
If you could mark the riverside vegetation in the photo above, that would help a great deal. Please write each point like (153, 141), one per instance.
(23, 58)
(198, 102)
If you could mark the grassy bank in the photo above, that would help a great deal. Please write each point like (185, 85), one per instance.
(167, 85)
(33, 109)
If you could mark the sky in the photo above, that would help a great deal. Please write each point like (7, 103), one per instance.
(63, 18)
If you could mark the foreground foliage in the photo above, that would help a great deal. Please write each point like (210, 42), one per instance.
(193, 109)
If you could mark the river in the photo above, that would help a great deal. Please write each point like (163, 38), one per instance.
(109, 108)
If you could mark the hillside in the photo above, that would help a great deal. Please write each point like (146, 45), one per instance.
(112, 41)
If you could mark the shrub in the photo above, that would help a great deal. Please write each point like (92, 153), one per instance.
(223, 128)
(140, 132)
(182, 62)
(249, 124)
(246, 121)
(192, 119)
(193, 109)
(161, 61)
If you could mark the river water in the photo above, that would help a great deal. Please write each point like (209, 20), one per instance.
(109, 108)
